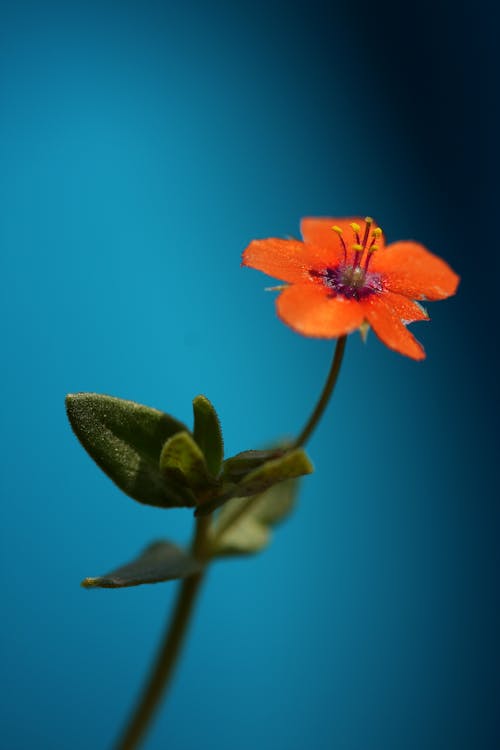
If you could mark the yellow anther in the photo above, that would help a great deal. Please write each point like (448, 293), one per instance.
(368, 220)
(373, 248)
(357, 248)
(337, 229)
(377, 233)
(355, 226)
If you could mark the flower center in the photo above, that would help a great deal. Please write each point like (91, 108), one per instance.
(352, 282)
(351, 279)
(352, 276)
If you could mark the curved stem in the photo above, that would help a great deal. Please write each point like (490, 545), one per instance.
(325, 394)
(304, 435)
(170, 649)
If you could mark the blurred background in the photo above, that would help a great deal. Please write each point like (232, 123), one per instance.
(143, 145)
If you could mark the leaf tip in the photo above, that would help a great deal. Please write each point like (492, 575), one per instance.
(90, 583)
(71, 397)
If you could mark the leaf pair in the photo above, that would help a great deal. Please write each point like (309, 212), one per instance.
(156, 460)
(150, 455)
(243, 526)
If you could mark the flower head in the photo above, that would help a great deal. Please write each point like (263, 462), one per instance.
(343, 276)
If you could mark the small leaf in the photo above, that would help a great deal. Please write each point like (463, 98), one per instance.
(161, 561)
(246, 461)
(182, 462)
(364, 330)
(276, 503)
(243, 524)
(207, 433)
(244, 537)
(292, 464)
(125, 439)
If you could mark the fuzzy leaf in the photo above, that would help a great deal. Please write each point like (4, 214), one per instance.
(125, 439)
(161, 561)
(242, 463)
(292, 464)
(208, 434)
(183, 463)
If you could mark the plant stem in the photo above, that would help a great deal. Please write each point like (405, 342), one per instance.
(325, 394)
(170, 649)
(306, 433)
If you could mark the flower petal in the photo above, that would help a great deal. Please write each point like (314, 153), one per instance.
(405, 309)
(319, 232)
(387, 324)
(288, 260)
(309, 310)
(409, 269)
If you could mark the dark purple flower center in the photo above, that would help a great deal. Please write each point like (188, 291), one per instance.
(352, 282)
(351, 278)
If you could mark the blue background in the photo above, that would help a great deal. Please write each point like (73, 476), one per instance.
(142, 147)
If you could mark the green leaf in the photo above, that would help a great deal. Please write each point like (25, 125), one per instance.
(161, 561)
(183, 463)
(246, 461)
(294, 463)
(244, 537)
(125, 439)
(243, 524)
(207, 433)
(276, 503)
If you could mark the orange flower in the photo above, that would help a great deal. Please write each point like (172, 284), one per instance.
(343, 276)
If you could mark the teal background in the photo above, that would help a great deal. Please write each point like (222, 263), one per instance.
(143, 145)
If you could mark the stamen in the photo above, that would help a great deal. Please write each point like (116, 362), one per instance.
(358, 252)
(376, 235)
(338, 231)
(372, 249)
(356, 229)
(368, 223)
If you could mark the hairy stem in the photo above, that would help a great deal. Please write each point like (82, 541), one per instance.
(170, 649)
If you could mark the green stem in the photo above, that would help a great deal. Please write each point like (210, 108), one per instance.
(170, 649)
(325, 394)
(302, 438)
